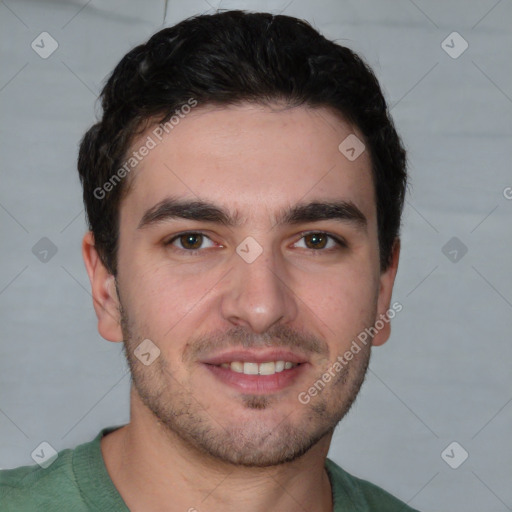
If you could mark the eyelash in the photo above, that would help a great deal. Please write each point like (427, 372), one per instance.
(340, 242)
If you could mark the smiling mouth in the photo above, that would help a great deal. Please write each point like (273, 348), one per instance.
(265, 368)
(257, 371)
(255, 377)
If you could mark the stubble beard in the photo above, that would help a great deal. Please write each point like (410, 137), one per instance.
(188, 420)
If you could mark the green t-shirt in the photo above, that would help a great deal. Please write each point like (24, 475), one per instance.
(77, 480)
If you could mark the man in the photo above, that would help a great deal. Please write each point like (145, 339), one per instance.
(244, 191)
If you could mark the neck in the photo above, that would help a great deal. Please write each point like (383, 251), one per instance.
(154, 469)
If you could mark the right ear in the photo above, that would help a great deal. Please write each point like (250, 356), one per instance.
(104, 293)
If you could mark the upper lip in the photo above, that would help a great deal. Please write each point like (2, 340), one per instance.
(252, 356)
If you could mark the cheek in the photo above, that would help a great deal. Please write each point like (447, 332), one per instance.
(344, 300)
(162, 295)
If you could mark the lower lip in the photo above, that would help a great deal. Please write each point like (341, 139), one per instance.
(257, 383)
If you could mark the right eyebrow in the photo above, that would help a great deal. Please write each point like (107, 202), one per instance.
(173, 208)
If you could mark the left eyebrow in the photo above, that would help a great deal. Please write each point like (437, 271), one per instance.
(199, 210)
(343, 211)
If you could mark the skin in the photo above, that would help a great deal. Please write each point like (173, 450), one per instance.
(192, 441)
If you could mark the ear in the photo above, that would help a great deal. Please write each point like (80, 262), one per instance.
(104, 293)
(386, 282)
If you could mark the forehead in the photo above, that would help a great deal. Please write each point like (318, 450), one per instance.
(252, 160)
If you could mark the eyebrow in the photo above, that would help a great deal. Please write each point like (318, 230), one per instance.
(199, 210)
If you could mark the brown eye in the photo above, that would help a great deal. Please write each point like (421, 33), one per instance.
(321, 242)
(316, 240)
(190, 242)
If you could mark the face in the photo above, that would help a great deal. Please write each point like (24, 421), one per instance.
(248, 243)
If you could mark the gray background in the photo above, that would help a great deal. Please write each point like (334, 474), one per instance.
(444, 375)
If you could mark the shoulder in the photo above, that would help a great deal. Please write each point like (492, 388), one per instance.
(33, 487)
(367, 496)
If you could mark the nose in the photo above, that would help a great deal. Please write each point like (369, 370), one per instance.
(259, 293)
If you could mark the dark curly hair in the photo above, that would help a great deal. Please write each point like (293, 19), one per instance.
(227, 58)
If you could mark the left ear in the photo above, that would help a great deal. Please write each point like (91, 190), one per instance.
(386, 282)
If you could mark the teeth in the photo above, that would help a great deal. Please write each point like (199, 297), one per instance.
(266, 368)
(251, 368)
(236, 366)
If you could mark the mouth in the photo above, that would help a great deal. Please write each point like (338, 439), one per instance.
(266, 368)
(253, 372)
